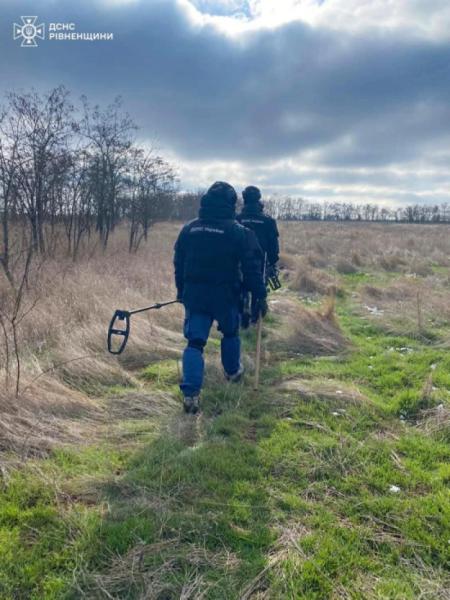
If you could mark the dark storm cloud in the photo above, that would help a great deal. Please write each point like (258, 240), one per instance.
(347, 99)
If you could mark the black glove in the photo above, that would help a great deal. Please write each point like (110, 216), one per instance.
(259, 308)
(245, 310)
(271, 271)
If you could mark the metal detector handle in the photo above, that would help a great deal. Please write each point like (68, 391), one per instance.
(119, 315)
(274, 282)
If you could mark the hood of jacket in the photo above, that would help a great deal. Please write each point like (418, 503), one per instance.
(252, 208)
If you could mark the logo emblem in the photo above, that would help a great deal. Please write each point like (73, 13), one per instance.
(29, 31)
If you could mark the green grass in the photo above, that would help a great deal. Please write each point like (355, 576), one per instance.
(48, 516)
(308, 497)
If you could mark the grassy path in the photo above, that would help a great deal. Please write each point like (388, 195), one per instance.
(329, 483)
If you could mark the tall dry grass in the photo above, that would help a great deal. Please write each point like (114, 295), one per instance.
(62, 340)
(406, 267)
(385, 246)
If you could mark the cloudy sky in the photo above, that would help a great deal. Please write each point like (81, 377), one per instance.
(327, 99)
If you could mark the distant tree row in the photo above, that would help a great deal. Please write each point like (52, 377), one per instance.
(298, 209)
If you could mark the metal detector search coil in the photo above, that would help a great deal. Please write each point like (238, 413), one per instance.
(119, 334)
(120, 316)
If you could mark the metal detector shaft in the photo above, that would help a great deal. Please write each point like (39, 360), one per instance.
(156, 306)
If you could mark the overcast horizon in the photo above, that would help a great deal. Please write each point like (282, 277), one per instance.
(333, 100)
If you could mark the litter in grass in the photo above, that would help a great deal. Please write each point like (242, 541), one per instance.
(374, 310)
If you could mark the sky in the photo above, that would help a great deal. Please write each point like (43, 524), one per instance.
(330, 100)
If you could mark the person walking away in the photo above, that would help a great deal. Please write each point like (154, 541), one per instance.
(214, 257)
(265, 227)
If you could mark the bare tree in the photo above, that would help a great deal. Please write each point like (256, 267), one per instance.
(15, 304)
(44, 126)
(110, 136)
(150, 184)
(9, 139)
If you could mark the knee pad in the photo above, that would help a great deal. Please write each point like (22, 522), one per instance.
(197, 344)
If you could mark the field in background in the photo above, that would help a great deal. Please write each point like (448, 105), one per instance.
(332, 482)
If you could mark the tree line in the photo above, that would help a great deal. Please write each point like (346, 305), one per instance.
(298, 209)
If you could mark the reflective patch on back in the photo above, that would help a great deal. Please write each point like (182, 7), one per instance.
(205, 228)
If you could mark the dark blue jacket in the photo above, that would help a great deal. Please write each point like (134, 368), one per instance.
(215, 257)
(265, 227)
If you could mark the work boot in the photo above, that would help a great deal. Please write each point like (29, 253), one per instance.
(236, 377)
(191, 405)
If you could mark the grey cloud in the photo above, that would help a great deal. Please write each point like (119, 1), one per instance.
(366, 100)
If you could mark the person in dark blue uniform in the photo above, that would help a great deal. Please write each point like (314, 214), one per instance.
(214, 257)
(265, 227)
(252, 216)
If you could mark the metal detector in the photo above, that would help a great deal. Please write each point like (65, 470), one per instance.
(119, 327)
(272, 280)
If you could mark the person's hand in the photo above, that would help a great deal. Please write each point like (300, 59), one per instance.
(259, 308)
(271, 271)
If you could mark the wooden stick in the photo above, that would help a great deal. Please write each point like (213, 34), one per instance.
(259, 334)
(258, 352)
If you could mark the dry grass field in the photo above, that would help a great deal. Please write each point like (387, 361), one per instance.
(330, 482)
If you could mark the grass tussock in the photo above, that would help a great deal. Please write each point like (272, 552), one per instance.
(346, 267)
(391, 262)
(310, 281)
(308, 331)
(436, 422)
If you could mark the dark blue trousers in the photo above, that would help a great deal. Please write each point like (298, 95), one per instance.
(197, 326)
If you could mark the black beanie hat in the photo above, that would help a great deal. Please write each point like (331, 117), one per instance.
(251, 194)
